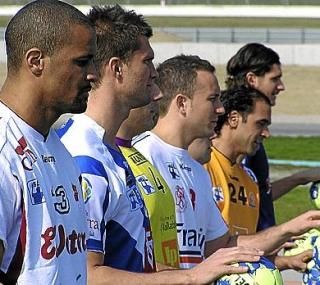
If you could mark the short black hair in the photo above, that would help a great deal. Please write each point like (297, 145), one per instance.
(253, 57)
(44, 24)
(241, 100)
(117, 32)
(178, 75)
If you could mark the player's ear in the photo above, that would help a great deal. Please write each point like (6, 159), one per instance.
(233, 119)
(251, 79)
(115, 65)
(182, 103)
(35, 61)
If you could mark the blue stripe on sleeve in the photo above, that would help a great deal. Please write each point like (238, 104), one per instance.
(61, 131)
(91, 165)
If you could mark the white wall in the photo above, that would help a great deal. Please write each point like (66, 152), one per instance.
(302, 54)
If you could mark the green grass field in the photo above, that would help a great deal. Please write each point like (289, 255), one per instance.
(292, 204)
(296, 201)
(293, 148)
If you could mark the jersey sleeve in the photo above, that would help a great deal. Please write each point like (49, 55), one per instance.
(96, 192)
(216, 224)
(10, 212)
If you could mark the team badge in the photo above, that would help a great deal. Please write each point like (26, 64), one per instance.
(86, 189)
(173, 170)
(218, 194)
(145, 184)
(35, 192)
(28, 158)
(180, 198)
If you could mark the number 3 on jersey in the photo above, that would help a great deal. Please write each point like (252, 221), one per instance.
(237, 195)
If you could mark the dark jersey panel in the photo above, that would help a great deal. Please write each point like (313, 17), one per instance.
(260, 167)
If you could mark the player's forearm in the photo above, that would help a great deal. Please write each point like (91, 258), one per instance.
(284, 185)
(267, 240)
(103, 275)
(281, 262)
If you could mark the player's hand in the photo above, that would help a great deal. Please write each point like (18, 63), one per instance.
(298, 262)
(303, 223)
(220, 263)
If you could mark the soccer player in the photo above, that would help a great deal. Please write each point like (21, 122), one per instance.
(259, 67)
(239, 132)
(120, 246)
(155, 191)
(50, 48)
(189, 109)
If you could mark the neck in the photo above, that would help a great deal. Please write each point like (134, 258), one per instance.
(224, 146)
(29, 106)
(108, 112)
(172, 132)
(126, 131)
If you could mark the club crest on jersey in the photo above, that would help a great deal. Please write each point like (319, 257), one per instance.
(180, 198)
(35, 192)
(218, 194)
(28, 157)
(86, 189)
(134, 197)
(173, 170)
(145, 184)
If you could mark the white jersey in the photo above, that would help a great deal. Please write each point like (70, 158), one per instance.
(118, 223)
(192, 190)
(40, 204)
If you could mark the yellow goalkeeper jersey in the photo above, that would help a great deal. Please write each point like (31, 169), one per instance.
(236, 193)
(160, 205)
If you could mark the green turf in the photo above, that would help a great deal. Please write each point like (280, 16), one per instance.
(292, 204)
(293, 148)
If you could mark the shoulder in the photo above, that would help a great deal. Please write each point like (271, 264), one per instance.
(144, 139)
(80, 138)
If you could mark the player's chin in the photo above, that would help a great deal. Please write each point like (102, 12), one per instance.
(273, 99)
